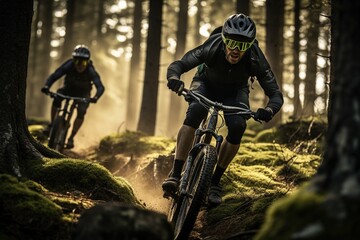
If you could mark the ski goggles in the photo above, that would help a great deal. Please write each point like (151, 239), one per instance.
(232, 44)
(81, 62)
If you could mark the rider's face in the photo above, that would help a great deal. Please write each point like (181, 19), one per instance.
(233, 56)
(80, 64)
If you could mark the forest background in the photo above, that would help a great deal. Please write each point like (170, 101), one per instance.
(293, 34)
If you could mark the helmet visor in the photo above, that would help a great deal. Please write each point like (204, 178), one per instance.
(81, 62)
(232, 44)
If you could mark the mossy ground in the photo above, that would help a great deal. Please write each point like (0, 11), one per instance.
(262, 172)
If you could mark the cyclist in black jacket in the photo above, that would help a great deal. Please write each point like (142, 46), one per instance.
(80, 75)
(225, 63)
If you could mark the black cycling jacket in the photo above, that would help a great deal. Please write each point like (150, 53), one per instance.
(220, 74)
(81, 82)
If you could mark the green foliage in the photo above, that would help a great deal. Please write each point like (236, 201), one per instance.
(322, 217)
(260, 174)
(305, 205)
(305, 135)
(38, 132)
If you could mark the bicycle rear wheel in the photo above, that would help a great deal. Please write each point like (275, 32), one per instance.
(198, 185)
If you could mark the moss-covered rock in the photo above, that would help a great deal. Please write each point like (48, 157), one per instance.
(135, 143)
(92, 179)
(25, 212)
(304, 136)
(259, 174)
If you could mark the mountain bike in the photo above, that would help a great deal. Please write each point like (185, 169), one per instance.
(195, 179)
(62, 120)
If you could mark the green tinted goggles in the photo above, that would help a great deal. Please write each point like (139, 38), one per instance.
(81, 62)
(232, 44)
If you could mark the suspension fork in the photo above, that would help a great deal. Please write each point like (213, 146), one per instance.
(189, 162)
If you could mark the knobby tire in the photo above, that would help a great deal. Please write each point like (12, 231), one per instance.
(54, 132)
(198, 185)
(58, 135)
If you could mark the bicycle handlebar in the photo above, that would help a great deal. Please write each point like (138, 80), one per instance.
(78, 99)
(225, 108)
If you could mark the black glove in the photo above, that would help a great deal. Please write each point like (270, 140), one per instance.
(93, 100)
(45, 89)
(263, 114)
(175, 85)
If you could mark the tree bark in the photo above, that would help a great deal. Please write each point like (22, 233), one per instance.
(148, 110)
(133, 89)
(341, 163)
(176, 116)
(275, 45)
(18, 148)
(296, 100)
(311, 57)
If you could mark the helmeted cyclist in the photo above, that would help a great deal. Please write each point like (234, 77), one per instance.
(80, 75)
(225, 61)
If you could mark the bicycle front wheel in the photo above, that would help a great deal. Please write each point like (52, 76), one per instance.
(58, 134)
(198, 185)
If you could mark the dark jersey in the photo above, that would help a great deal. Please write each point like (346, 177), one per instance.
(75, 81)
(221, 75)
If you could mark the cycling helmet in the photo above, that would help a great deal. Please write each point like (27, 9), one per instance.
(81, 51)
(239, 27)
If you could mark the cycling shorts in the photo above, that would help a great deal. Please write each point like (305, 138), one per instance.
(236, 124)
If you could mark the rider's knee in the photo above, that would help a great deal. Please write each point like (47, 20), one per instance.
(194, 115)
(81, 112)
(236, 130)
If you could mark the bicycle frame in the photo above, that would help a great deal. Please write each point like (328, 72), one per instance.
(201, 161)
(207, 130)
(62, 120)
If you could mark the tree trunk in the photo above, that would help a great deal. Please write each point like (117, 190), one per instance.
(296, 50)
(41, 61)
(311, 57)
(148, 110)
(176, 116)
(243, 6)
(341, 164)
(69, 26)
(133, 89)
(18, 148)
(274, 45)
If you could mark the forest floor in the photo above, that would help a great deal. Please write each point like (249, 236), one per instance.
(152, 196)
(262, 172)
(147, 188)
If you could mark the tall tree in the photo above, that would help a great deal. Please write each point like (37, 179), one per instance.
(329, 206)
(296, 50)
(40, 57)
(69, 26)
(243, 6)
(132, 99)
(274, 43)
(175, 116)
(311, 56)
(197, 24)
(148, 109)
(18, 148)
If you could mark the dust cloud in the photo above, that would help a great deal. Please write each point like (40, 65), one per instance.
(151, 198)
